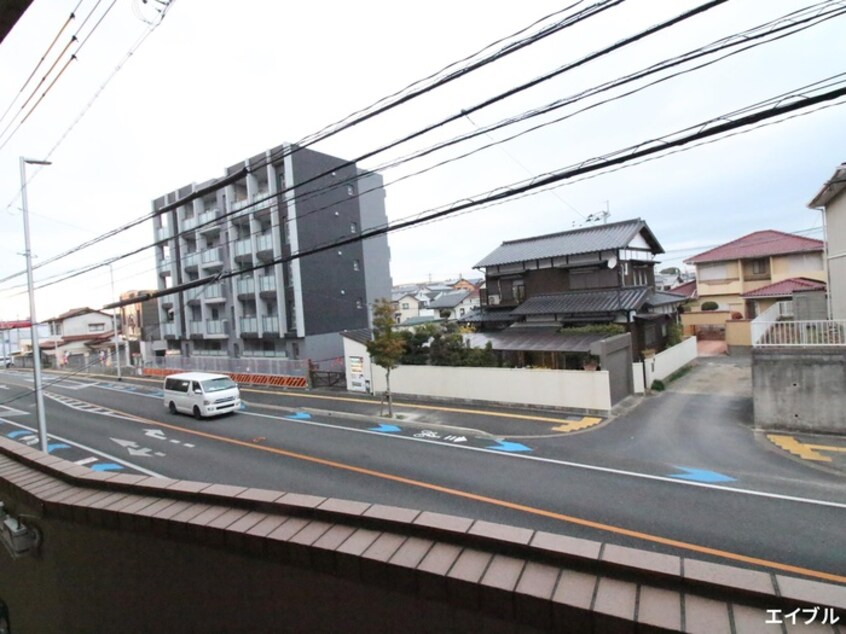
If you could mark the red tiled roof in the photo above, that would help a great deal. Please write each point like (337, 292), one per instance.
(756, 245)
(785, 288)
(688, 289)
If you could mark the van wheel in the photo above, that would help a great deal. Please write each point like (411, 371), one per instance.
(197, 413)
(172, 407)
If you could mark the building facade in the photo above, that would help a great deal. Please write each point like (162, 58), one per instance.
(831, 200)
(240, 232)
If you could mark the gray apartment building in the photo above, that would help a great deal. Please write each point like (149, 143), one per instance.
(287, 200)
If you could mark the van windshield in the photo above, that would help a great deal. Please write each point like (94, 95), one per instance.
(216, 385)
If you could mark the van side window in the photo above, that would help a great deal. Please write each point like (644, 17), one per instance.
(195, 387)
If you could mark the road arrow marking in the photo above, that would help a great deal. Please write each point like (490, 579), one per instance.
(505, 445)
(20, 432)
(155, 433)
(133, 448)
(56, 445)
(299, 416)
(383, 427)
(106, 466)
(3, 387)
(700, 475)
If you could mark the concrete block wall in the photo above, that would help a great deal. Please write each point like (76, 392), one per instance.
(800, 388)
(129, 553)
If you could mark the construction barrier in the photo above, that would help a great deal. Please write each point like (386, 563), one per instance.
(243, 378)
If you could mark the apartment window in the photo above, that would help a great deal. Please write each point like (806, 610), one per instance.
(359, 304)
(350, 190)
(356, 265)
(97, 327)
(353, 227)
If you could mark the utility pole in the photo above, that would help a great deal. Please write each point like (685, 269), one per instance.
(114, 324)
(36, 349)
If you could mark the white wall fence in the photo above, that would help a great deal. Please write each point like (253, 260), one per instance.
(571, 389)
(276, 367)
(663, 364)
(776, 327)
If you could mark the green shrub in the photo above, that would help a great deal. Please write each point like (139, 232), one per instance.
(657, 385)
(710, 306)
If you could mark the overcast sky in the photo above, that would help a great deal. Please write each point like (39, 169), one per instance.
(219, 81)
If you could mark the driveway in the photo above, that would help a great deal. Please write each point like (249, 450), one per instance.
(726, 376)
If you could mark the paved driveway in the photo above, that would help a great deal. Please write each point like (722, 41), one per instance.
(726, 376)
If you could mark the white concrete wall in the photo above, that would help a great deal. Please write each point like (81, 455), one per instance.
(555, 388)
(664, 364)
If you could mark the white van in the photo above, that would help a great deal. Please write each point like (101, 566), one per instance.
(201, 394)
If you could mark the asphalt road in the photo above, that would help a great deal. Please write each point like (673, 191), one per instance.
(680, 473)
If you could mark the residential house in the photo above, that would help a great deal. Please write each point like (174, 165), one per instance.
(761, 299)
(455, 305)
(757, 260)
(77, 334)
(601, 274)
(285, 200)
(141, 326)
(831, 200)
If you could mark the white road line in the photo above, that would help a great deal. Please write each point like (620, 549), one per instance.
(91, 449)
(564, 463)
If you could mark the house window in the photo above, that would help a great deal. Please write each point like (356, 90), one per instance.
(405, 305)
(97, 327)
(760, 267)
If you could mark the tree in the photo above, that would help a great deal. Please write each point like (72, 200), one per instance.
(387, 346)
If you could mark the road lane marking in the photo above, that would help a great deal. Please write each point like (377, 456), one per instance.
(610, 528)
(90, 449)
(793, 446)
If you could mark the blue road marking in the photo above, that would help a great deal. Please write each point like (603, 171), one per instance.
(505, 445)
(158, 393)
(51, 447)
(106, 466)
(700, 475)
(385, 428)
(20, 432)
(299, 416)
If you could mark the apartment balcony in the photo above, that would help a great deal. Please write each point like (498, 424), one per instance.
(216, 329)
(207, 225)
(187, 224)
(244, 250)
(238, 213)
(270, 325)
(262, 205)
(195, 329)
(163, 233)
(166, 301)
(168, 330)
(249, 326)
(267, 286)
(264, 247)
(193, 296)
(212, 258)
(245, 288)
(163, 267)
(214, 294)
(191, 261)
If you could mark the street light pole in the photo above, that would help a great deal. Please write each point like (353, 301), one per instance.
(36, 349)
(114, 324)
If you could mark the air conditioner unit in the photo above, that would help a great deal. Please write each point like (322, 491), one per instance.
(493, 300)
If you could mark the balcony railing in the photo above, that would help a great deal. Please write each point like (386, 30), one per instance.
(209, 215)
(249, 324)
(776, 327)
(267, 283)
(189, 223)
(195, 328)
(163, 233)
(191, 260)
(245, 287)
(215, 326)
(213, 257)
(264, 243)
(214, 292)
(168, 329)
(164, 267)
(244, 247)
(270, 324)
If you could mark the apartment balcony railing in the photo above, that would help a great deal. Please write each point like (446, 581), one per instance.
(207, 222)
(270, 324)
(216, 327)
(209, 353)
(163, 233)
(189, 223)
(264, 244)
(168, 329)
(163, 267)
(245, 287)
(212, 257)
(214, 292)
(244, 248)
(776, 327)
(263, 202)
(191, 260)
(195, 328)
(267, 284)
(249, 324)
